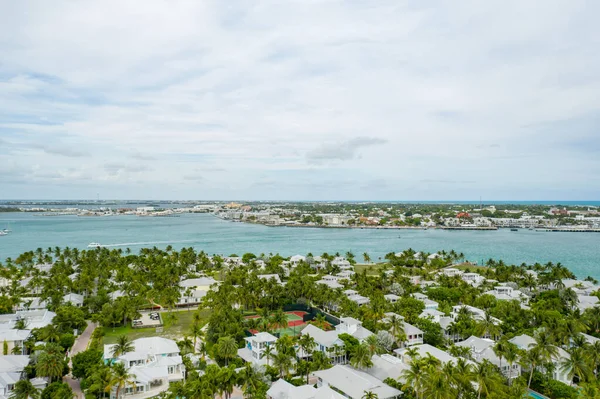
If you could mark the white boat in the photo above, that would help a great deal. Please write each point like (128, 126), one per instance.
(94, 245)
(3, 233)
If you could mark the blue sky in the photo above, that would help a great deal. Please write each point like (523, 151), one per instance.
(303, 99)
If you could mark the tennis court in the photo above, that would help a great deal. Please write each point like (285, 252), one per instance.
(295, 323)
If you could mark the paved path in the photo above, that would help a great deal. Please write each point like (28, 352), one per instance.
(81, 344)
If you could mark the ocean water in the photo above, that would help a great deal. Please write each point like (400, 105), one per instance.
(580, 252)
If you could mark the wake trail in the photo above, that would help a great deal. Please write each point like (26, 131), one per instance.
(125, 244)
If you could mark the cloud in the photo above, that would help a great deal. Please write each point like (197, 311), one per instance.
(329, 99)
(343, 151)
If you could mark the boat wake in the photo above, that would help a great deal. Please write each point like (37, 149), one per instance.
(128, 244)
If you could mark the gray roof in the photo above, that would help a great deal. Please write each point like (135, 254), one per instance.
(523, 341)
(386, 366)
(13, 363)
(281, 389)
(354, 383)
(325, 338)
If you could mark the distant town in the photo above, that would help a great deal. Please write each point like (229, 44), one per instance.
(344, 214)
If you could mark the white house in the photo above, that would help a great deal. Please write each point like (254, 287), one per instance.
(354, 383)
(482, 349)
(154, 362)
(391, 298)
(281, 389)
(327, 342)
(386, 366)
(423, 351)
(255, 348)
(503, 292)
(12, 369)
(194, 289)
(451, 272)
(526, 342)
(74, 299)
(352, 326)
(475, 279)
(296, 259)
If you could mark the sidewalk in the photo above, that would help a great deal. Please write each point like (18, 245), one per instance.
(80, 345)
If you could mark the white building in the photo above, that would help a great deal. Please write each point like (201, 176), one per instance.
(327, 342)
(424, 350)
(354, 383)
(74, 299)
(482, 349)
(255, 348)
(154, 362)
(526, 342)
(352, 326)
(281, 389)
(12, 370)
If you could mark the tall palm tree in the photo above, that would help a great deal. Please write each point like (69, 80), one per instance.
(488, 326)
(531, 359)
(577, 365)
(268, 353)
(122, 346)
(24, 389)
(511, 354)
(250, 379)
(307, 344)
(121, 378)
(396, 326)
(282, 361)
(437, 385)
(486, 378)
(186, 345)
(361, 358)
(374, 346)
(500, 349)
(226, 380)
(50, 364)
(544, 344)
(196, 332)
(279, 319)
(227, 348)
(414, 376)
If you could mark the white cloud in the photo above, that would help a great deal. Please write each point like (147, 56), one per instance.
(429, 100)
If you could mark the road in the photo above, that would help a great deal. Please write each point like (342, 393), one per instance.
(81, 344)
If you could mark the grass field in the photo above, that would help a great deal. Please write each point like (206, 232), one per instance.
(371, 268)
(175, 330)
(470, 268)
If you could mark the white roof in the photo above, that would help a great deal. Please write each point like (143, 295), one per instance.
(264, 337)
(351, 321)
(523, 341)
(354, 383)
(198, 282)
(297, 258)
(13, 363)
(148, 374)
(73, 298)
(386, 366)
(281, 389)
(425, 349)
(147, 346)
(475, 343)
(325, 338)
(270, 276)
(391, 297)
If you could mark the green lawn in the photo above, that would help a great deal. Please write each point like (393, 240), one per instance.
(371, 268)
(470, 268)
(175, 330)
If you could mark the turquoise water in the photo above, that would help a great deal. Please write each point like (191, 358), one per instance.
(578, 251)
(533, 394)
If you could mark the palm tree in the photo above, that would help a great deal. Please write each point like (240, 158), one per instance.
(366, 257)
(486, 378)
(186, 345)
(413, 376)
(250, 380)
(122, 346)
(361, 358)
(268, 353)
(196, 332)
(279, 319)
(282, 361)
(488, 326)
(511, 354)
(226, 380)
(437, 385)
(545, 345)
(24, 389)
(227, 348)
(307, 344)
(101, 380)
(577, 365)
(373, 345)
(50, 333)
(500, 349)
(304, 367)
(320, 321)
(396, 326)
(50, 364)
(531, 359)
(370, 395)
(121, 378)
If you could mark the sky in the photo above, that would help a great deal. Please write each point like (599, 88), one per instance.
(300, 100)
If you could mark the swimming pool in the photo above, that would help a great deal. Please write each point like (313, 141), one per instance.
(536, 395)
